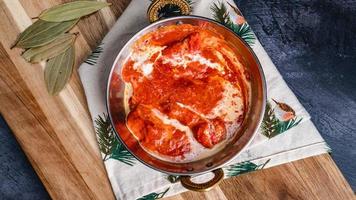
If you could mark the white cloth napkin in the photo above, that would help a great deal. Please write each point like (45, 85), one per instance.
(131, 180)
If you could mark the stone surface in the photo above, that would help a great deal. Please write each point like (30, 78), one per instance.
(18, 180)
(312, 43)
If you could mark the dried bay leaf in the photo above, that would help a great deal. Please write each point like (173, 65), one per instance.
(56, 47)
(71, 10)
(42, 32)
(58, 71)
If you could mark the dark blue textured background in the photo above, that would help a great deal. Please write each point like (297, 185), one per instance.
(312, 43)
(17, 178)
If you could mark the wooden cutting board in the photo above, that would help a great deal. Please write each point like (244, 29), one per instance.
(57, 135)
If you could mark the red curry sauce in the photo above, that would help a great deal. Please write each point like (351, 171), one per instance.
(179, 75)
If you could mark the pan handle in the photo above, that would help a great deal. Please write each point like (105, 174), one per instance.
(154, 10)
(202, 187)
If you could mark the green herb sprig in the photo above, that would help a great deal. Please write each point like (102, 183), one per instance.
(47, 39)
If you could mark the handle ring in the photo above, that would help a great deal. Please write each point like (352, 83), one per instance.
(155, 7)
(202, 187)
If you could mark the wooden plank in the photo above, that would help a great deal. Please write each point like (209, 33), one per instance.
(57, 136)
(64, 122)
(38, 140)
(312, 178)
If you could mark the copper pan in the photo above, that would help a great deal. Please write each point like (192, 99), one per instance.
(214, 162)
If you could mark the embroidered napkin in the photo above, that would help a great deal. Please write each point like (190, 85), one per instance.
(286, 133)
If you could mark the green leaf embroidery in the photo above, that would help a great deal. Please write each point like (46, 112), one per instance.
(121, 154)
(271, 126)
(94, 56)
(42, 32)
(58, 70)
(58, 46)
(173, 178)
(71, 10)
(270, 122)
(285, 125)
(221, 15)
(171, 10)
(109, 145)
(244, 167)
(154, 196)
(106, 137)
(244, 31)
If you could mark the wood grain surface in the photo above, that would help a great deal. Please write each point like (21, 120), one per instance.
(57, 135)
